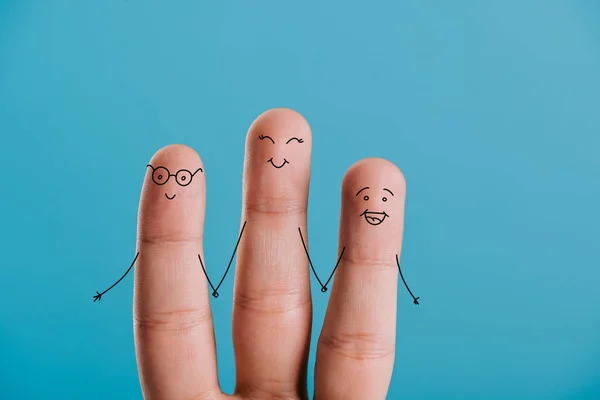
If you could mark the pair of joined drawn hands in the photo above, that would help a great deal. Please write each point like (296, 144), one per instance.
(272, 308)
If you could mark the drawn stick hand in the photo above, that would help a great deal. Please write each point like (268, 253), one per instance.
(323, 285)
(215, 290)
(405, 284)
(98, 295)
(215, 293)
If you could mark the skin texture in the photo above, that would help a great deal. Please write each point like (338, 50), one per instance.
(272, 312)
(272, 308)
(355, 354)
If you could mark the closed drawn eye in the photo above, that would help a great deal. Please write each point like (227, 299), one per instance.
(262, 137)
(295, 138)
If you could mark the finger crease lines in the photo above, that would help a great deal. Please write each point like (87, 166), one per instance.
(271, 301)
(266, 209)
(254, 393)
(357, 346)
(376, 264)
(182, 320)
(171, 238)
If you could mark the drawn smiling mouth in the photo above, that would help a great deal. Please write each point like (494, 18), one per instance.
(373, 217)
(280, 166)
(170, 198)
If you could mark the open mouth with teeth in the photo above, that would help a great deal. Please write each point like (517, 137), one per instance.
(278, 166)
(373, 217)
(170, 198)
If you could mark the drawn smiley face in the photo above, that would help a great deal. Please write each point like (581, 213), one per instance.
(374, 216)
(278, 163)
(161, 175)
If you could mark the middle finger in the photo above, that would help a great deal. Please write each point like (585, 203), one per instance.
(272, 309)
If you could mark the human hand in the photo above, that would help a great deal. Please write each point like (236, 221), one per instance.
(272, 309)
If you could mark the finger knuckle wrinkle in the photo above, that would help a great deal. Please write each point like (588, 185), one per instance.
(382, 263)
(357, 346)
(255, 393)
(275, 206)
(272, 301)
(171, 237)
(205, 396)
(177, 320)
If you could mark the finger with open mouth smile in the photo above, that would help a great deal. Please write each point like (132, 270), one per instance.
(374, 217)
(278, 166)
(364, 294)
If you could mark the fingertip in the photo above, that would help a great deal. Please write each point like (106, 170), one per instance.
(376, 170)
(280, 121)
(277, 161)
(374, 184)
(173, 194)
(373, 195)
(178, 154)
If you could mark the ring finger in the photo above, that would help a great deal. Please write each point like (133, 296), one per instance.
(355, 354)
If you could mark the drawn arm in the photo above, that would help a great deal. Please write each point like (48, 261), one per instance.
(215, 293)
(323, 287)
(400, 270)
(98, 295)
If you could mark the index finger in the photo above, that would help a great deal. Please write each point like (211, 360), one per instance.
(174, 335)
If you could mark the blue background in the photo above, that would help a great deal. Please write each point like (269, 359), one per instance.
(491, 110)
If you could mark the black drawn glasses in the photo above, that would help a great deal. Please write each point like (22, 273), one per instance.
(161, 175)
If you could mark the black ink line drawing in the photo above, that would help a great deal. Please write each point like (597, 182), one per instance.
(161, 175)
(262, 137)
(98, 295)
(215, 292)
(323, 287)
(374, 217)
(365, 188)
(280, 166)
(400, 270)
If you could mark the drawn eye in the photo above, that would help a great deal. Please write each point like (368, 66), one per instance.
(384, 199)
(263, 137)
(183, 177)
(366, 198)
(160, 176)
(296, 139)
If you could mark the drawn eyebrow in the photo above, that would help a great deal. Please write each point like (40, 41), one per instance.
(366, 187)
(261, 137)
(295, 138)
(389, 191)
